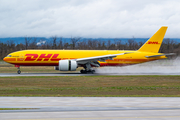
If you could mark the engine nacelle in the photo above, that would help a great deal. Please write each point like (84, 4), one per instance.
(66, 65)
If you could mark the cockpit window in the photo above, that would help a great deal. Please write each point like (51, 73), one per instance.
(8, 56)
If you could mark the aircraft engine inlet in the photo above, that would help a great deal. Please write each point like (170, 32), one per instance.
(66, 65)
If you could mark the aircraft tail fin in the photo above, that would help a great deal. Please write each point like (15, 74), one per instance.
(154, 43)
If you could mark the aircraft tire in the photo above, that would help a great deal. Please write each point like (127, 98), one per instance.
(19, 72)
(83, 71)
(93, 71)
(87, 72)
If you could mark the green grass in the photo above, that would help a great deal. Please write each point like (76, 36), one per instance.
(140, 86)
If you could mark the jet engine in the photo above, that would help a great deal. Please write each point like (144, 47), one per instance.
(66, 65)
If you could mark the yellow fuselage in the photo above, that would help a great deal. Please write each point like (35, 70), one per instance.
(52, 57)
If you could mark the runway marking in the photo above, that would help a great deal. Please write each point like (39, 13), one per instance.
(79, 74)
(103, 118)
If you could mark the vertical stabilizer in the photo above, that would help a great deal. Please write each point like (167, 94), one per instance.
(154, 43)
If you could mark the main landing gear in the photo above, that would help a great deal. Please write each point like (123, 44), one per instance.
(87, 69)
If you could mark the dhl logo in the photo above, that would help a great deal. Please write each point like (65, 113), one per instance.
(152, 42)
(42, 57)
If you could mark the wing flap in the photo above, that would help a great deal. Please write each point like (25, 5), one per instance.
(99, 58)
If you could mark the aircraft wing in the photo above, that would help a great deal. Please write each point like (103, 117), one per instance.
(93, 60)
(159, 55)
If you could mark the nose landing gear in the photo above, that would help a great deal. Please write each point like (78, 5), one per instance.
(18, 67)
(19, 71)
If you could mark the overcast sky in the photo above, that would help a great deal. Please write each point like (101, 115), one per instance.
(89, 18)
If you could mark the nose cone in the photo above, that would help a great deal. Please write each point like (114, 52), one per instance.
(9, 59)
(5, 59)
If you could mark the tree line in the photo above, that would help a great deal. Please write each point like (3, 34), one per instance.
(77, 43)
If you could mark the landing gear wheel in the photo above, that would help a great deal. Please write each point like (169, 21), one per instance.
(83, 71)
(19, 72)
(92, 71)
(86, 72)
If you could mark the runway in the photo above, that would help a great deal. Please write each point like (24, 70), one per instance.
(90, 108)
(79, 74)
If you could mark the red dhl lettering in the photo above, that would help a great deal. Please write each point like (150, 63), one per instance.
(42, 57)
(153, 42)
(46, 57)
(31, 57)
(54, 57)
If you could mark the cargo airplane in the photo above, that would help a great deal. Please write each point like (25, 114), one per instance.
(70, 60)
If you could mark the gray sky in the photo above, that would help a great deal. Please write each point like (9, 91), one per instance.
(89, 18)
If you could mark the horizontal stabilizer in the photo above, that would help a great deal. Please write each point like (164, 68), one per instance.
(160, 55)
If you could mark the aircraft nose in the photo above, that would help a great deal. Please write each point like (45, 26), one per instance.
(5, 59)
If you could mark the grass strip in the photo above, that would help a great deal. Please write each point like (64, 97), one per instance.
(107, 86)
